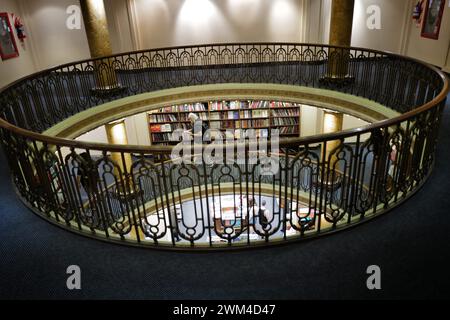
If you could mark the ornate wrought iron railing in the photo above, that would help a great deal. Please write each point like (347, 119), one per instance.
(158, 202)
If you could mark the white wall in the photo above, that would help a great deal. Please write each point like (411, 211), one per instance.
(399, 33)
(53, 42)
(137, 129)
(319, 16)
(15, 68)
(310, 121)
(96, 135)
(50, 42)
(160, 23)
(394, 14)
(119, 25)
(351, 122)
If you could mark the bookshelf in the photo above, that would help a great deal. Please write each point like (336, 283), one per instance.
(237, 116)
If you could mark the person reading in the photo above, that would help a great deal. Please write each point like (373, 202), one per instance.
(200, 128)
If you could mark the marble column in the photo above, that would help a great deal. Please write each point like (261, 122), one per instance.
(332, 122)
(96, 25)
(340, 35)
(116, 133)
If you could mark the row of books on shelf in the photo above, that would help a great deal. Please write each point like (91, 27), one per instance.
(259, 104)
(283, 126)
(255, 114)
(255, 133)
(163, 118)
(201, 115)
(230, 115)
(244, 124)
(225, 124)
(161, 137)
(255, 123)
(199, 106)
(284, 121)
(230, 105)
(284, 105)
(285, 113)
(157, 128)
(288, 130)
(256, 104)
(235, 105)
(236, 115)
(262, 116)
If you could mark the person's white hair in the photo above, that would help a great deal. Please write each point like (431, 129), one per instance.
(193, 117)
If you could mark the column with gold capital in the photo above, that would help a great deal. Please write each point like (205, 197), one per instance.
(116, 133)
(96, 25)
(332, 122)
(340, 35)
(338, 61)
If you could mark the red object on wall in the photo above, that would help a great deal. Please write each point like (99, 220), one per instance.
(20, 29)
(417, 13)
(431, 26)
(8, 47)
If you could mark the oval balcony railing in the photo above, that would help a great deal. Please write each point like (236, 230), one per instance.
(144, 196)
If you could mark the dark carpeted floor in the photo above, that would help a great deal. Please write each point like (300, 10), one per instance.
(410, 244)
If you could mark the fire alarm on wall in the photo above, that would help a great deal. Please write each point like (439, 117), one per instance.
(20, 29)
